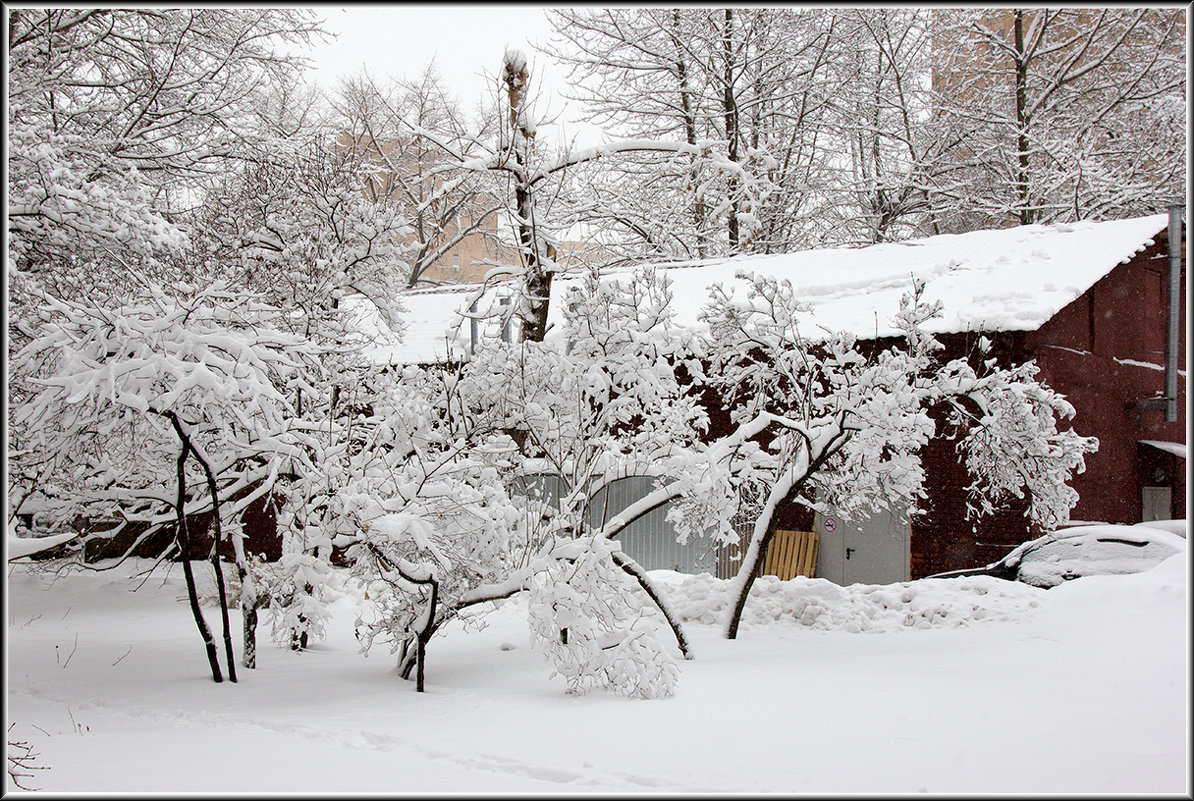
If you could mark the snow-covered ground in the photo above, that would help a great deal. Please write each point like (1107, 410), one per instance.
(938, 686)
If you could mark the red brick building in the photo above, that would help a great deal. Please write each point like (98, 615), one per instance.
(1105, 351)
(1088, 302)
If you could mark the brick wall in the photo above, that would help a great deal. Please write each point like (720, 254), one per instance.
(942, 536)
(1105, 352)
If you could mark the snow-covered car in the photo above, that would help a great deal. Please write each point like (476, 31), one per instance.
(1177, 527)
(1087, 550)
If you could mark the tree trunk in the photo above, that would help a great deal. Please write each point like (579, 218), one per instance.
(183, 540)
(690, 135)
(730, 109)
(217, 535)
(229, 654)
(782, 493)
(424, 635)
(410, 661)
(221, 590)
(415, 658)
(406, 660)
(537, 281)
(1022, 195)
(751, 563)
(248, 606)
(249, 620)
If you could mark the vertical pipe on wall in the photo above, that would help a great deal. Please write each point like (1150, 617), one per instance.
(507, 335)
(472, 328)
(1175, 280)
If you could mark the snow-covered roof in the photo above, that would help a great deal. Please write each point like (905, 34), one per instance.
(1010, 279)
(432, 319)
(1178, 449)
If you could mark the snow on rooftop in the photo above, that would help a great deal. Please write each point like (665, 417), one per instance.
(1010, 279)
(1178, 449)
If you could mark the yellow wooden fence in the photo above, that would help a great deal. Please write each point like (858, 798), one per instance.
(789, 554)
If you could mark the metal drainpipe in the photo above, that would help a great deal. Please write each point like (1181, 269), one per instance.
(1175, 284)
(507, 329)
(472, 329)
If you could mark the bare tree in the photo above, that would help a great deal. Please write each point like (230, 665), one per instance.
(118, 117)
(300, 221)
(379, 128)
(1067, 113)
(880, 116)
(746, 88)
(863, 125)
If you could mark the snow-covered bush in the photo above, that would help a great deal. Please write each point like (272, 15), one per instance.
(411, 489)
(601, 400)
(597, 628)
(437, 498)
(818, 604)
(295, 590)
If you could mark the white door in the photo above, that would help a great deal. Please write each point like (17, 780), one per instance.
(875, 550)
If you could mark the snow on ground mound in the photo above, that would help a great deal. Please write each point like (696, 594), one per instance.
(1131, 601)
(824, 606)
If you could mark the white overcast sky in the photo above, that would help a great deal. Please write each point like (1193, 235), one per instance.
(466, 42)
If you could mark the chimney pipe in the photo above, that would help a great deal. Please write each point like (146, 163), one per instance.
(1175, 285)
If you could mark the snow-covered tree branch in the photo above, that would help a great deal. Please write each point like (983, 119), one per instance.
(126, 397)
(845, 423)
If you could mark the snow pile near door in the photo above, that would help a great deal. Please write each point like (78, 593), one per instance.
(824, 606)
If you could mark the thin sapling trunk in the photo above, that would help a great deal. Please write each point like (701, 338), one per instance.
(217, 532)
(183, 540)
